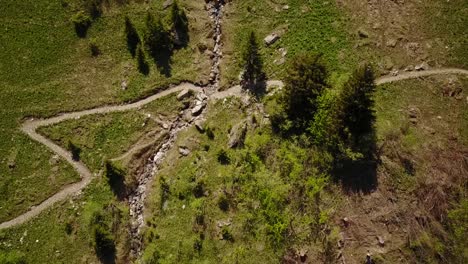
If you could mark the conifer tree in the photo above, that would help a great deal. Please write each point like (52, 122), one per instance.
(306, 80)
(356, 108)
(252, 63)
(133, 39)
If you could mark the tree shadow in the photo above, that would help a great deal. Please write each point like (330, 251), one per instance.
(163, 60)
(116, 180)
(360, 175)
(75, 151)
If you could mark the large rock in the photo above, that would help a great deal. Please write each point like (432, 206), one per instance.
(198, 108)
(183, 94)
(272, 38)
(237, 135)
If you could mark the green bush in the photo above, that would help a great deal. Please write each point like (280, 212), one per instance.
(82, 22)
(75, 151)
(12, 257)
(223, 157)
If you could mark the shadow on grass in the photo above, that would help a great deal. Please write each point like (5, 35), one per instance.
(163, 60)
(358, 176)
(116, 180)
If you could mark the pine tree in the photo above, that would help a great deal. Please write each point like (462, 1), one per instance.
(356, 108)
(143, 66)
(179, 24)
(252, 63)
(306, 80)
(156, 38)
(133, 39)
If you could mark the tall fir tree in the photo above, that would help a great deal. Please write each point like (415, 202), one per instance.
(356, 108)
(133, 39)
(252, 63)
(305, 82)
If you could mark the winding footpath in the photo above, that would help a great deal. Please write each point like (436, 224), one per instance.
(30, 127)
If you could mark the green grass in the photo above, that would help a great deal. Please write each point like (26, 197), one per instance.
(46, 69)
(259, 184)
(100, 137)
(448, 22)
(44, 239)
(107, 136)
(393, 102)
(308, 26)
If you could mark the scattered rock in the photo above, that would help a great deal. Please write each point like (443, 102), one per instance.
(369, 258)
(409, 68)
(237, 135)
(413, 112)
(286, 7)
(124, 85)
(391, 43)
(183, 94)
(422, 67)
(303, 255)
(167, 3)
(54, 160)
(199, 125)
(362, 33)
(221, 224)
(184, 151)
(381, 241)
(279, 61)
(346, 221)
(270, 39)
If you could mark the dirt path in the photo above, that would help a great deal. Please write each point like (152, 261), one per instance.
(30, 126)
(418, 74)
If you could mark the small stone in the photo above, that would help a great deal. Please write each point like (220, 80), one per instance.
(409, 68)
(199, 126)
(413, 112)
(286, 7)
(422, 67)
(165, 126)
(167, 3)
(183, 94)
(439, 117)
(362, 33)
(303, 255)
(346, 221)
(391, 43)
(270, 39)
(124, 85)
(381, 241)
